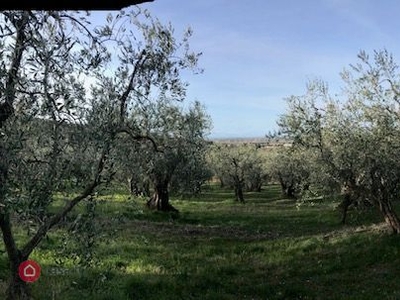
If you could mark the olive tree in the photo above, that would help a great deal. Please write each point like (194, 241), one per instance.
(177, 164)
(356, 139)
(182, 157)
(50, 122)
(290, 168)
(38, 95)
(238, 166)
(193, 171)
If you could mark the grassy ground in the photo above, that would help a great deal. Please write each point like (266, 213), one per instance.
(215, 248)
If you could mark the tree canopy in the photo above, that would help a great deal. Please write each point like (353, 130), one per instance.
(355, 139)
(70, 93)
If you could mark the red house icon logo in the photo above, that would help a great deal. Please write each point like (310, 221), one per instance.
(29, 271)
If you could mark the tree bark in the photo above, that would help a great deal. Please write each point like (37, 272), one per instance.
(239, 193)
(382, 198)
(160, 199)
(390, 216)
(344, 205)
(17, 289)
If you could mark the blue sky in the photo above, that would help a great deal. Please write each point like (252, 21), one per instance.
(256, 53)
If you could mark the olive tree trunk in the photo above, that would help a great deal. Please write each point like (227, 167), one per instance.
(382, 195)
(17, 289)
(160, 199)
(344, 205)
(288, 189)
(390, 216)
(239, 193)
(238, 186)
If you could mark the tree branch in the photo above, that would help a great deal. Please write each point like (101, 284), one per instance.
(73, 19)
(8, 237)
(6, 108)
(138, 137)
(393, 87)
(43, 229)
(141, 60)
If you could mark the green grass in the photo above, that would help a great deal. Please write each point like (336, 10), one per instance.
(216, 248)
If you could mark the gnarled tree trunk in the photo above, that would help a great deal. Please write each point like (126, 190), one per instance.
(239, 192)
(344, 205)
(382, 195)
(288, 190)
(389, 215)
(160, 199)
